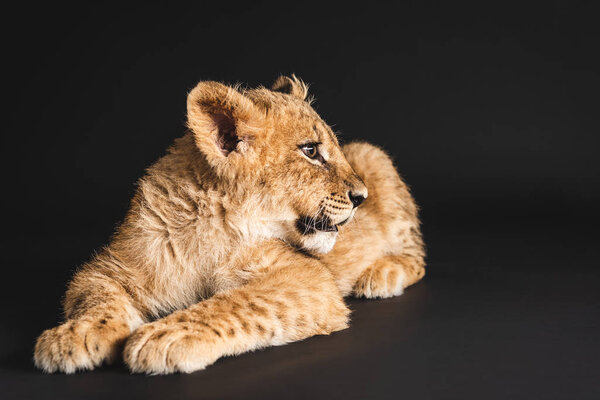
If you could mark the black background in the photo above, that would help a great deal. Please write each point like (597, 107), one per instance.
(491, 114)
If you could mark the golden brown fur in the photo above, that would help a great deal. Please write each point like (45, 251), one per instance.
(228, 245)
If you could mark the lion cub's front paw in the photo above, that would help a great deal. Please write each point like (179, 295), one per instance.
(166, 347)
(380, 281)
(79, 345)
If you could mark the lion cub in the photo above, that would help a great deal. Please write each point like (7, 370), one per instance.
(240, 237)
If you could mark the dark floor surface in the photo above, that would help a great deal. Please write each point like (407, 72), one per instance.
(506, 311)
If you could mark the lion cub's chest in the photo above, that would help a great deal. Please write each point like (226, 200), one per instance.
(210, 269)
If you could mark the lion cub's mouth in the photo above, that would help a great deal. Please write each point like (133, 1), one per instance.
(307, 225)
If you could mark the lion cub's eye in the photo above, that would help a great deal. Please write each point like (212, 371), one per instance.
(310, 150)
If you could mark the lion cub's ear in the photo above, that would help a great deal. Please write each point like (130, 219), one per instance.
(224, 121)
(291, 85)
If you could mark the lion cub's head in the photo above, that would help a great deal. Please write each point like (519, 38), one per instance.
(276, 148)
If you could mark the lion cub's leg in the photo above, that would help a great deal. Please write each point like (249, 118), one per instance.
(388, 277)
(99, 317)
(294, 298)
(383, 252)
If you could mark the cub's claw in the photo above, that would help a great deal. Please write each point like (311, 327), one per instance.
(79, 345)
(161, 348)
(380, 281)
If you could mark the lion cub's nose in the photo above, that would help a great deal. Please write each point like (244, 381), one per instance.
(356, 198)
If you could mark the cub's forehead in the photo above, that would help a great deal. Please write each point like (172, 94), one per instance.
(280, 103)
(288, 110)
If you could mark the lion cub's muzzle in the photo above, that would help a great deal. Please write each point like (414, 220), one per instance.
(336, 210)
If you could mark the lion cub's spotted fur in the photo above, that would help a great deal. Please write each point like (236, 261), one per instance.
(229, 242)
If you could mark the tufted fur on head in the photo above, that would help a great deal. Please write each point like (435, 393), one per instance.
(291, 85)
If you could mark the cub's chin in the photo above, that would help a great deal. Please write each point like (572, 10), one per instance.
(318, 242)
(314, 236)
